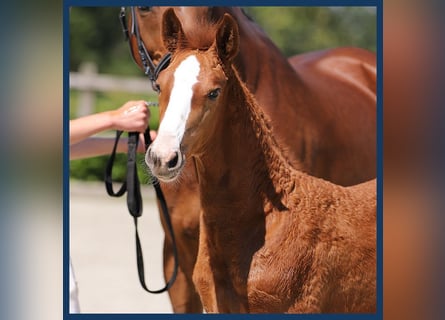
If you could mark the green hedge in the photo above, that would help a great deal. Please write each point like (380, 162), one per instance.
(93, 169)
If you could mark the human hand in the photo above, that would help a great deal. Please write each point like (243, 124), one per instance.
(133, 116)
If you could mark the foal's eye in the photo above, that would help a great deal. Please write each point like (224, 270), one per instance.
(212, 95)
(145, 9)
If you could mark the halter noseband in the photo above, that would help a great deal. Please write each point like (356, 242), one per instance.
(150, 69)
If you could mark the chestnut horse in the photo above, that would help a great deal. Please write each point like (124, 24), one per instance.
(272, 238)
(323, 107)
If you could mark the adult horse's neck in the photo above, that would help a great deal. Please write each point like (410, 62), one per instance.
(260, 63)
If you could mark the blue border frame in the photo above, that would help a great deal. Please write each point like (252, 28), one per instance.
(257, 3)
(66, 166)
(85, 316)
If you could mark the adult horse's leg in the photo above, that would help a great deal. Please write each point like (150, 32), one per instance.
(183, 296)
(184, 209)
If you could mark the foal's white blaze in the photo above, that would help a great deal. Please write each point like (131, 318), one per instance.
(179, 106)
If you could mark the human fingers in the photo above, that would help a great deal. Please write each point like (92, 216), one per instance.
(132, 116)
(134, 106)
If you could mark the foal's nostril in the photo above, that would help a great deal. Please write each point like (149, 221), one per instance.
(152, 159)
(173, 162)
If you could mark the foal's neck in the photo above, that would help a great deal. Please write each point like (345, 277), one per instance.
(247, 163)
(280, 169)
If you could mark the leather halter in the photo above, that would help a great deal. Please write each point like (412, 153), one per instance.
(150, 69)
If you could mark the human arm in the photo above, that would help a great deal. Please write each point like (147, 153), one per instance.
(132, 117)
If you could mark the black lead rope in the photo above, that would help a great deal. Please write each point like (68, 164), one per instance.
(131, 185)
(134, 201)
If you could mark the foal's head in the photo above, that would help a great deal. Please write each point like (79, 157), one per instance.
(192, 88)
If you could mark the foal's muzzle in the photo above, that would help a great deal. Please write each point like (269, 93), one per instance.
(165, 166)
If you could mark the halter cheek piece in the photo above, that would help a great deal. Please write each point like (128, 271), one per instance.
(150, 69)
(131, 185)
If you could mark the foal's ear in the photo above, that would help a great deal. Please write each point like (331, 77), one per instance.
(172, 32)
(227, 38)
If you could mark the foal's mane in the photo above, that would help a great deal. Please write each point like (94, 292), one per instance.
(202, 34)
(281, 169)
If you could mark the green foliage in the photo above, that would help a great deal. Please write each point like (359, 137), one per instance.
(300, 29)
(93, 169)
(96, 35)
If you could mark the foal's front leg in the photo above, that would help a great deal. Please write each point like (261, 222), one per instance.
(203, 275)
